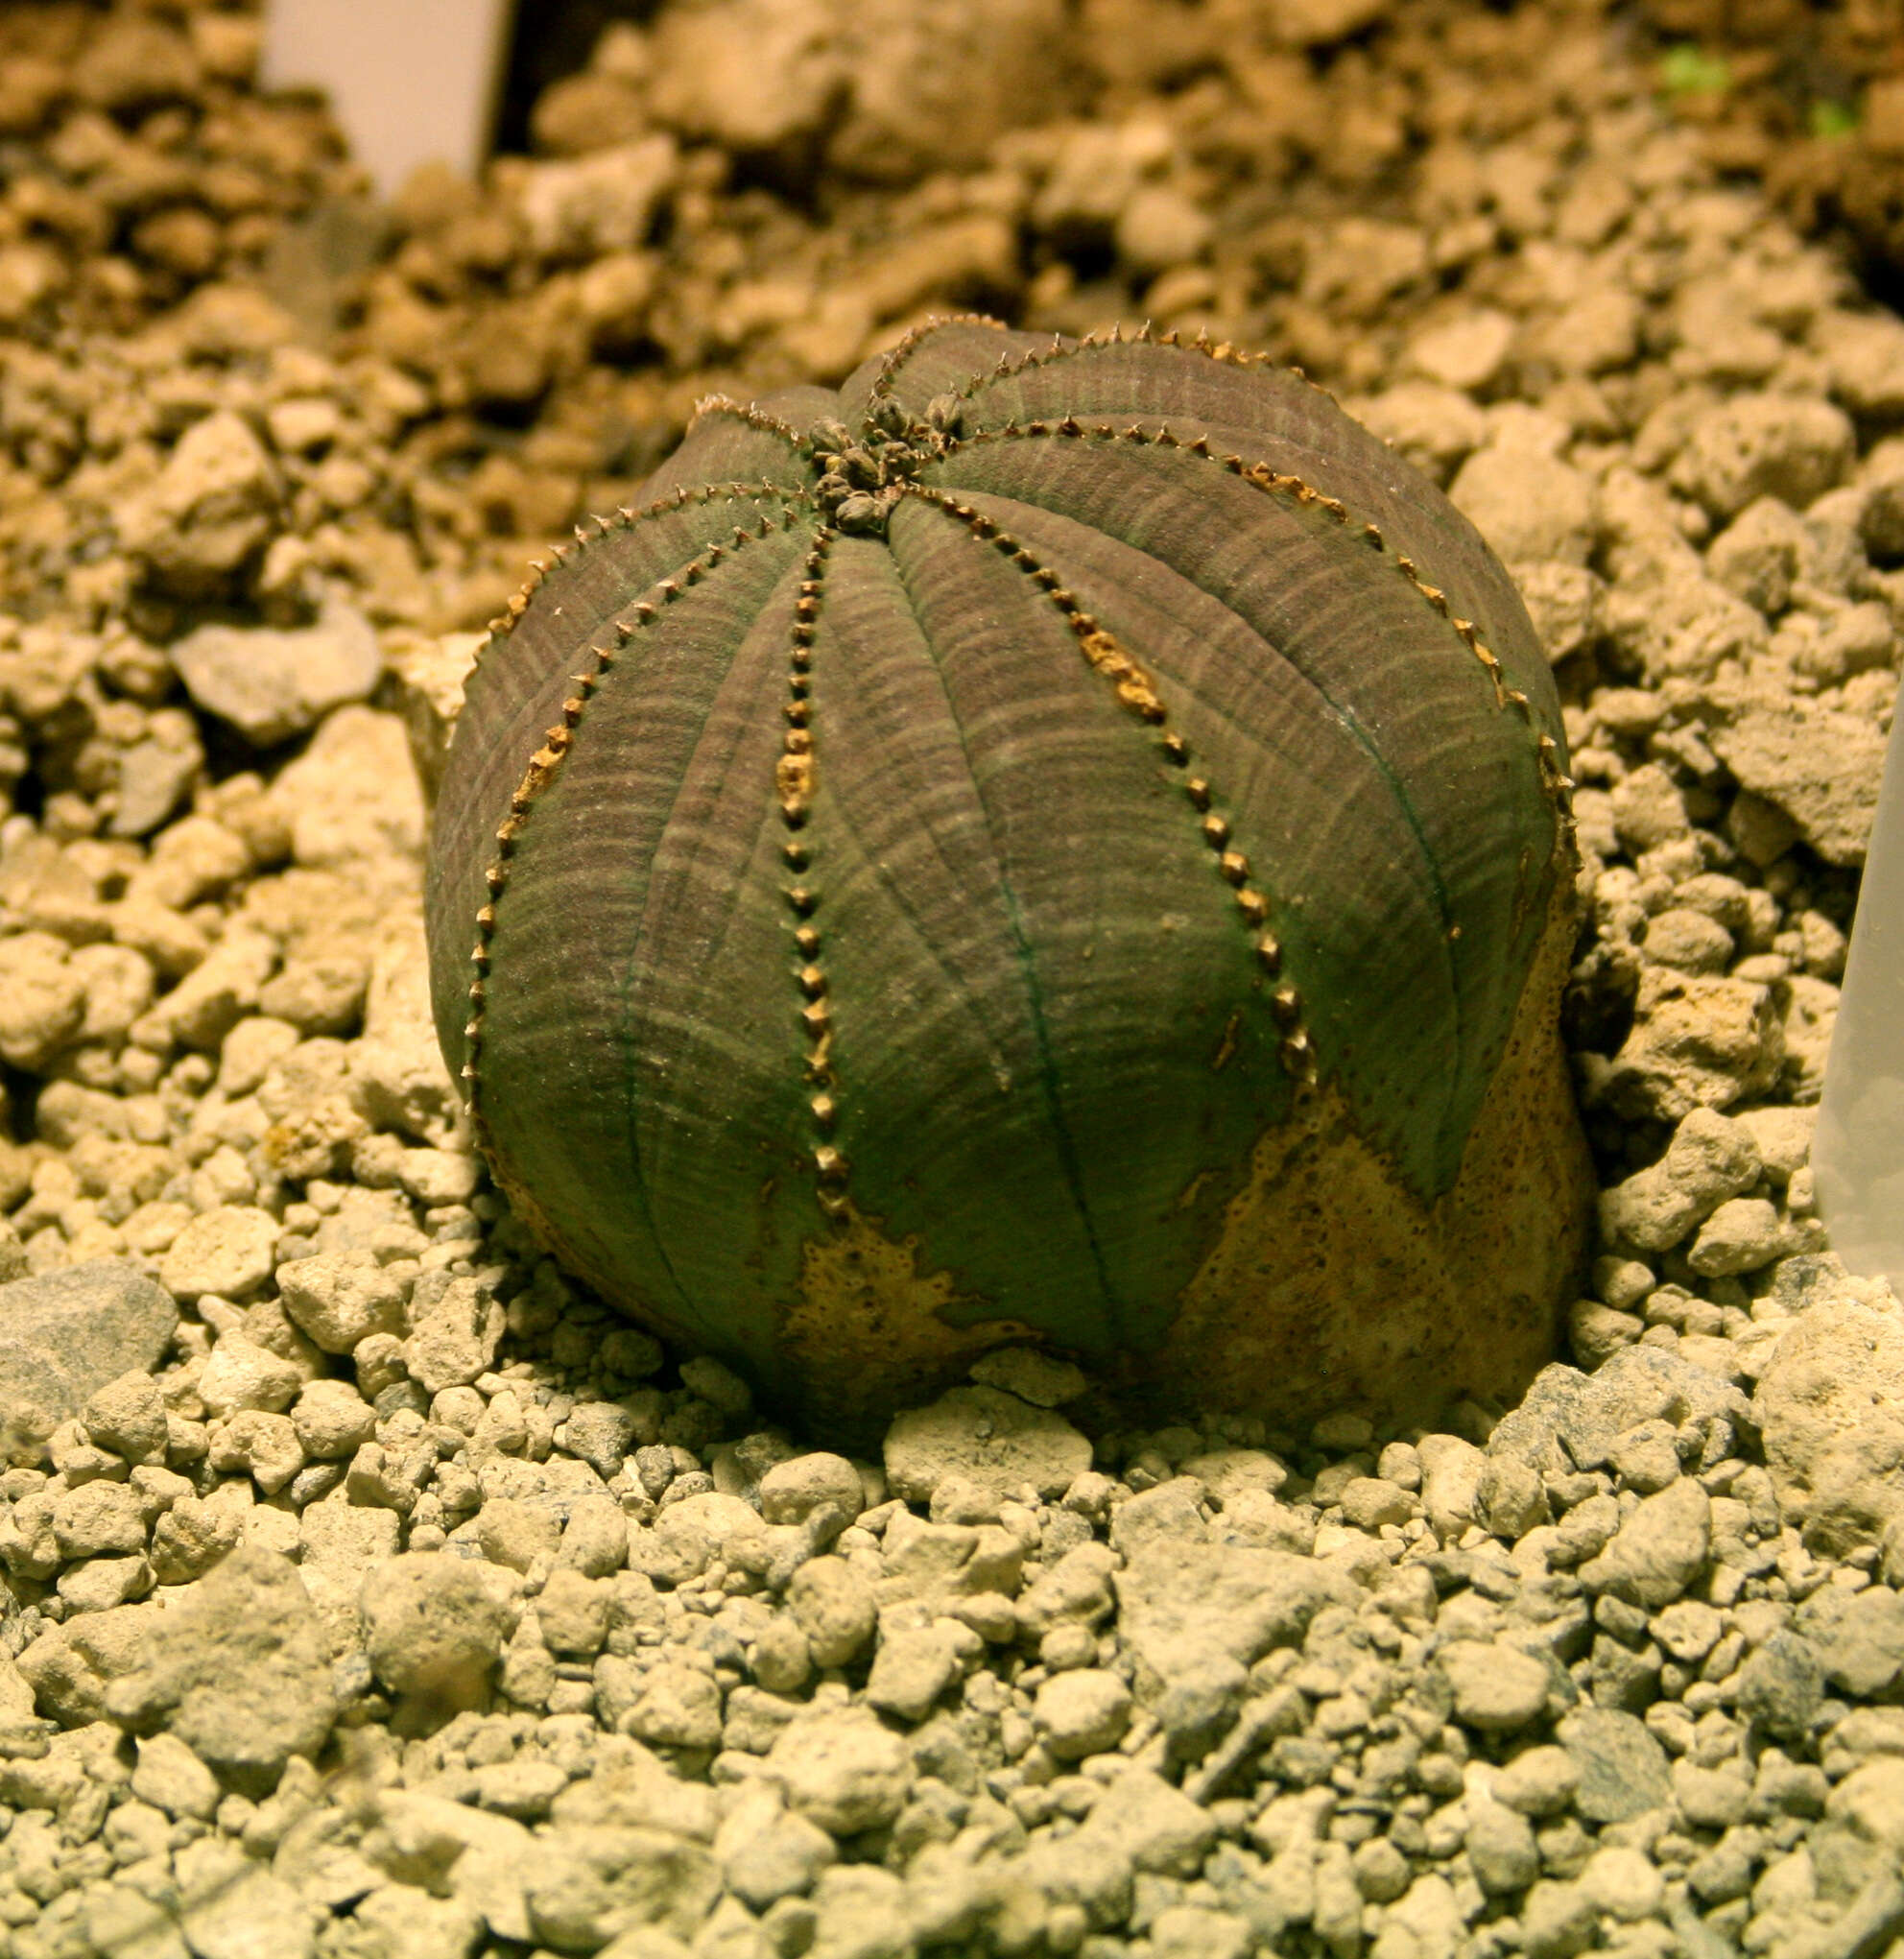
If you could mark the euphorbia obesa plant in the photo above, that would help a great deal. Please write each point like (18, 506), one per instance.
(1060, 841)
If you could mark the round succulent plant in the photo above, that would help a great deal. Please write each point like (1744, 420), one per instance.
(1060, 842)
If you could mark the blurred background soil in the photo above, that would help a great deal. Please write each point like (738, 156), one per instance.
(1810, 99)
(736, 194)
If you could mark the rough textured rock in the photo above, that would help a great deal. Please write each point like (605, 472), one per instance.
(604, 203)
(1621, 1770)
(237, 1669)
(340, 1299)
(847, 1773)
(1858, 1637)
(1830, 1404)
(1696, 1042)
(1531, 507)
(988, 1438)
(212, 507)
(352, 796)
(1497, 1689)
(1570, 1419)
(455, 1327)
(271, 684)
(227, 1252)
(1658, 1551)
(65, 1335)
(433, 1628)
(1182, 1604)
(1820, 766)
(586, 1886)
(1793, 449)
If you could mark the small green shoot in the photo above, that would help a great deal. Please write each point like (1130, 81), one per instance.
(1688, 70)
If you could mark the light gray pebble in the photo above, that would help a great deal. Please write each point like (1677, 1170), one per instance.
(594, 1540)
(1040, 1379)
(1367, 1502)
(1624, 1882)
(237, 1669)
(1646, 1457)
(270, 684)
(332, 1420)
(170, 1778)
(718, 1385)
(835, 1607)
(586, 1884)
(678, 1705)
(1497, 1689)
(1451, 1469)
(1658, 1551)
(1201, 1931)
(767, 1851)
(782, 1660)
(1621, 1769)
(1649, 809)
(1160, 1829)
(811, 1484)
(601, 1433)
(260, 1444)
(1081, 1712)
(230, 1251)
(1758, 555)
(986, 1436)
(99, 1518)
(433, 1628)
(1596, 1332)
(338, 1299)
(1710, 1158)
(456, 1328)
(240, 1375)
(1858, 1637)
(1532, 508)
(67, 1334)
(1687, 941)
(514, 1532)
(1780, 1687)
(1501, 1848)
(842, 1771)
(127, 1417)
(915, 1665)
(1558, 1919)
(1791, 447)
(1538, 1781)
(1710, 1798)
(1621, 1283)
(1742, 1235)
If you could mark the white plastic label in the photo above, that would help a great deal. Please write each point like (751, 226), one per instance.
(410, 82)
(1858, 1156)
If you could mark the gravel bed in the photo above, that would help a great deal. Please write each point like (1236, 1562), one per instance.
(366, 1589)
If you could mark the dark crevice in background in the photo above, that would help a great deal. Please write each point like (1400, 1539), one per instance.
(553, 38)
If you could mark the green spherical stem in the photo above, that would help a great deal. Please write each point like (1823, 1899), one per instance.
(1061, 840)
